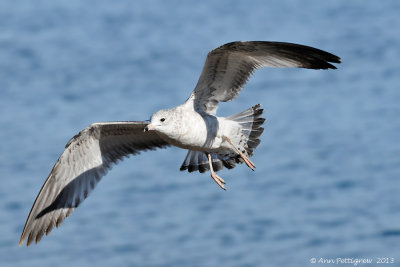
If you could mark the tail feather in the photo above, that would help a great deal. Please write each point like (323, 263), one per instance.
(251, 131)
(198, 161)
(202, 165)
(250, 124)
(193, 162)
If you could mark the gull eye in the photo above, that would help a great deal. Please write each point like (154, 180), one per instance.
(162, 119)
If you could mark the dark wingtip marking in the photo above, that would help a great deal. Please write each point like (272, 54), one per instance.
(50, 227)
(30, 239)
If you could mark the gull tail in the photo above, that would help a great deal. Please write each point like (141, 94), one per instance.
(249, 123)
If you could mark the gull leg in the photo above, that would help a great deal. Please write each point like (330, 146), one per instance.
(214, 175)
(246, 159)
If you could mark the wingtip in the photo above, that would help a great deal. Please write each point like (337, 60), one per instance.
(324, 65)
(335, 59)
(330, 66)
(22, 242)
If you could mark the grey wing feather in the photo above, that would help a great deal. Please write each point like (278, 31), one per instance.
(227, 68)
(87, 157)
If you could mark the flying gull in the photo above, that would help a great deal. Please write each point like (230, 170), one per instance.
(212, 142)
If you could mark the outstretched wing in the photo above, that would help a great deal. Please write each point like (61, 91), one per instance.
(228, 68)
(86, 159)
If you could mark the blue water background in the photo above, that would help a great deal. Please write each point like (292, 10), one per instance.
(328, 168)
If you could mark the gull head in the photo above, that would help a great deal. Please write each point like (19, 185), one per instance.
(163, 121)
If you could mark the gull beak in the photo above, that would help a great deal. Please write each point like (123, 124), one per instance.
(148, 127)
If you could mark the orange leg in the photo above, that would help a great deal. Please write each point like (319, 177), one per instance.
(246, 159)
(214, 175)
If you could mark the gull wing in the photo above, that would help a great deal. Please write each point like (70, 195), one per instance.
(87, 157)
(228, 67)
